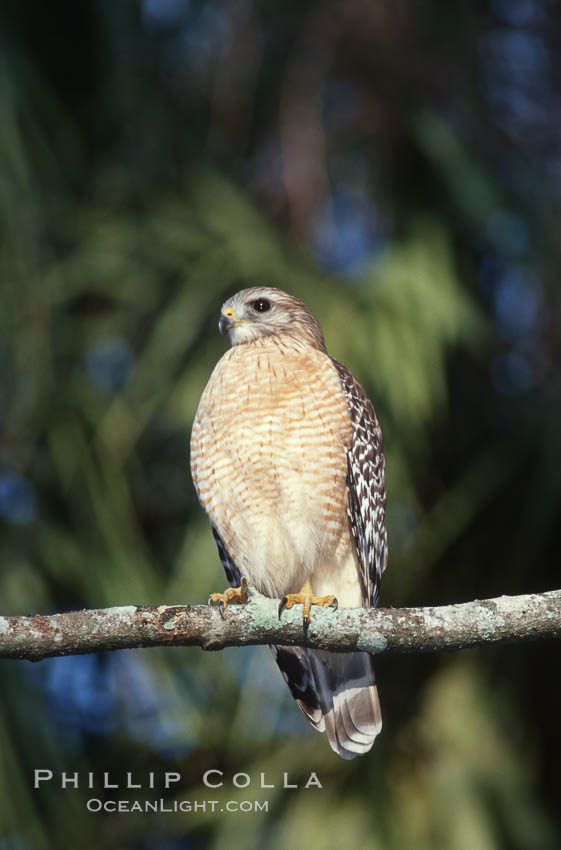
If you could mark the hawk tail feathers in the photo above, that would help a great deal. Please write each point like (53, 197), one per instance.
(337, 693)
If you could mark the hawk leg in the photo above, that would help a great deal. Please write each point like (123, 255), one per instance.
(306, 598)
(232, 594)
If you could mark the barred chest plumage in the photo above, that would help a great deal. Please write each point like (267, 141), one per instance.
(268, 458)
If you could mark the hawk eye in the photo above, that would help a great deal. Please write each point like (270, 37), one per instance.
(261, 305)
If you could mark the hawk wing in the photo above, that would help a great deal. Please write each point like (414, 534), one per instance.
(366, 486)
(232, 573)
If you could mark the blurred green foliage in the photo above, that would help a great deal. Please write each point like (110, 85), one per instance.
(156, 157)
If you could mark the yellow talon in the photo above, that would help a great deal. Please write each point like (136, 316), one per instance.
(306, 598)
(232, 594)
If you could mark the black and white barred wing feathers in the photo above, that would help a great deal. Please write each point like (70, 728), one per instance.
(232, 573)
(366, 483)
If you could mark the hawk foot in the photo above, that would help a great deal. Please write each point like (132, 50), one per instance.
(306, 598)
(232, 594)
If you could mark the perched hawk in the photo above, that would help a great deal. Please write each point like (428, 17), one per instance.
(286, 456)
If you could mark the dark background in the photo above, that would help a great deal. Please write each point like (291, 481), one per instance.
(397, 166)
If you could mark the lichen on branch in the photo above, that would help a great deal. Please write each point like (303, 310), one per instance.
(505, 619)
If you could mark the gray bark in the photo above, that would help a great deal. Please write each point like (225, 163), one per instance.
(506, 619)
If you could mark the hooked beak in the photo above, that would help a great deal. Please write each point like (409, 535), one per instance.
(225, 323)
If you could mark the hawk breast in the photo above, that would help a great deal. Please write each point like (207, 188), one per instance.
(269, 460)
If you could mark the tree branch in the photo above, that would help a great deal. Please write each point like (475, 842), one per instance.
(506, 619)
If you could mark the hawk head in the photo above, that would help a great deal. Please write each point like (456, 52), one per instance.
(265, 311)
